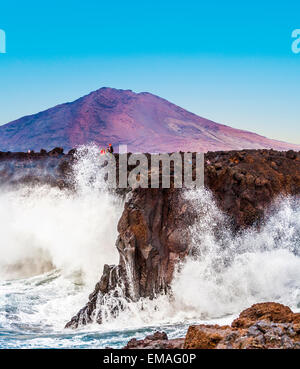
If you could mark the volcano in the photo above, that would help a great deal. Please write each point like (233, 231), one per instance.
(142, 121)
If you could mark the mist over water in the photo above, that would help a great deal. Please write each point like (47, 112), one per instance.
(44, 228)
(53, 246)
(54, 243)
(227, 273)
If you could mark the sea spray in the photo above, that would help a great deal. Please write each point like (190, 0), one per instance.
(225, 271)
(45, 227)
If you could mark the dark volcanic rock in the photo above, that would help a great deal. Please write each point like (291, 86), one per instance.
(57, 151)
(246, 182)
(158, 340)
(112, 278)
(153, 237)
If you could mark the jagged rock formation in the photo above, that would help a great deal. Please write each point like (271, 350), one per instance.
(153, 237)
(114, 282)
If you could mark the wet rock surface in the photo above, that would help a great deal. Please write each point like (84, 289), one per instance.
(153, 237)
(113, 283)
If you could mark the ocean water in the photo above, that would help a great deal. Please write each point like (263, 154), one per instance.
(34, 310)
(54, 244)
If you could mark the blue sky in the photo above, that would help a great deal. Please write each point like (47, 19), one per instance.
(227, 61)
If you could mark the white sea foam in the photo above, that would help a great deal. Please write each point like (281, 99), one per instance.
(44, 227)
(228, 272)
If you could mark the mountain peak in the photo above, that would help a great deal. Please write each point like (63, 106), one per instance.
(112, 91)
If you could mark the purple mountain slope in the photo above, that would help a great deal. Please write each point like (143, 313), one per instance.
(143, 121)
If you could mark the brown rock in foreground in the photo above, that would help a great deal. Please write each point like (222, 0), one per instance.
(262, 326)
(271, 312)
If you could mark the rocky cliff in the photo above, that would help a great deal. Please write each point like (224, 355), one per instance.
(154, 228)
